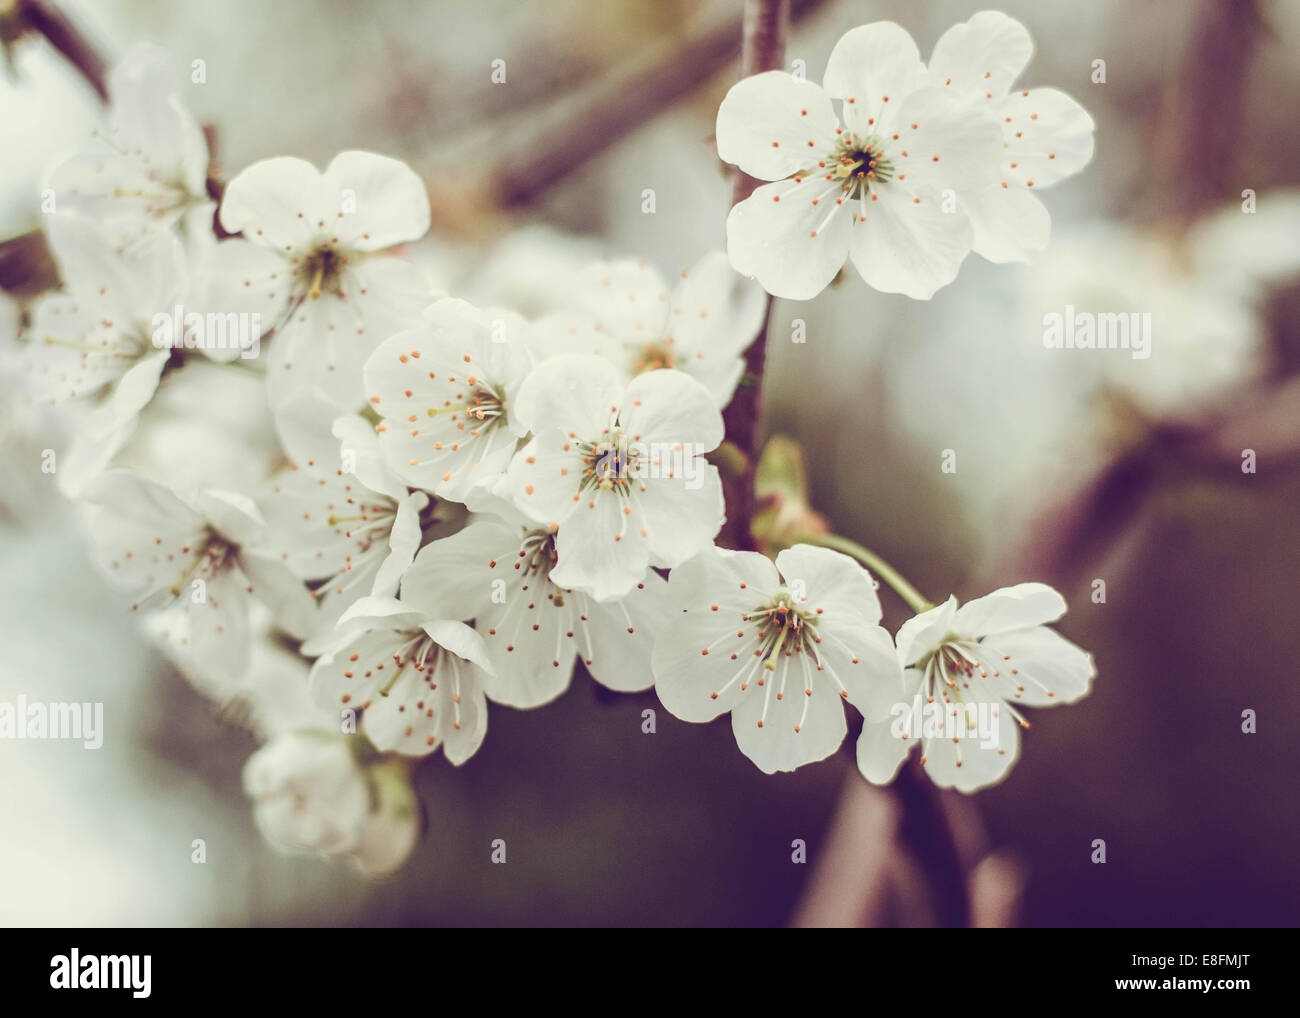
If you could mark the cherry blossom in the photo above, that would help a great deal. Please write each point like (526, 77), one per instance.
(618, 468)
(625, 313)
(201, 557)
(1046, 135)
(499, 571)
(779, 646)
(868, 184)
(149, 170)
(967, 671)
(311, 794)
(445, 390)
(338, 514)
(310, 264)
(94, 339)
(417, 681)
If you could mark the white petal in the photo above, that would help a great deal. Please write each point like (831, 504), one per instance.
(1047, 138)
(1044, 668)
(923, 633)
(986, 53)
(233, 515)
(111, 425)
(946, 141)
(274, 202)
(543, 478)
(793, 247)
(908, 244)
(884, 744)
(572, 392)
(831, 582)
(965, 762)
(716, 313)
(1018, 607)
(627, 299)
(383, 201)
(780, 727)
(873, 68)
(621, 635)
(681, 516)
(601, 550)
(454, 575)
(1010, 224)
(668, 408)
(766, 122)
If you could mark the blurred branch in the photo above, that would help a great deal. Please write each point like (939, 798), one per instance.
(627, 98)
(1208, 105)
(46, 19)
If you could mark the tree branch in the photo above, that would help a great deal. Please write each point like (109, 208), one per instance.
(46, 19)
(762, 49)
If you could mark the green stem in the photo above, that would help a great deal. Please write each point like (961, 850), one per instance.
(914, 598)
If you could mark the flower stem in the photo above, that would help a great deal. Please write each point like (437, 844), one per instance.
(914, 598)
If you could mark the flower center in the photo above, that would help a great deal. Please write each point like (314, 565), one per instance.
(654, 356)
(859, 162)
(208, 560)
(783, 629)
(322, 269)
(610, 463)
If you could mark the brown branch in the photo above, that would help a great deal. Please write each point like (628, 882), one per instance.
(1211, 89)
(763, 49)
(46, 19)
(624, 101)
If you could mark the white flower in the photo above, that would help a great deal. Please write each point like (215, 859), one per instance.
(150, 170)
(619, 469)
(445, 390)
(417, 681)
(499, 572)
(871, 189)
(309, 264)
(779, 646)
(625, 313)
(1205, 345)
(95, 340)
(199, 557)
(338, 514)
(268, 698)
(1046, 135)
(965, 670)
(311, 795)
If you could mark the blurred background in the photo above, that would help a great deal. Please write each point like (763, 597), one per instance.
(1072, 467)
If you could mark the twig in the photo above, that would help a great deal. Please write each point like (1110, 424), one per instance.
(67, 38)
(623, 102)
(763, 49)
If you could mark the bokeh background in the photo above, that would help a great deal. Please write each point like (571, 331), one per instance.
(1072, 466)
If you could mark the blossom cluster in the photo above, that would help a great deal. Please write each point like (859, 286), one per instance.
(372, 513)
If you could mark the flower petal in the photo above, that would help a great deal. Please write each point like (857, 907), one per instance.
(772, 124)
(1048, 137)
(908, 244)
(387, 203)
(790, 720)
(986, 53)
(275, 203)
(1018, 607)
(792, 236)
(1043, 667)
(873, 68)
(1010, 224)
